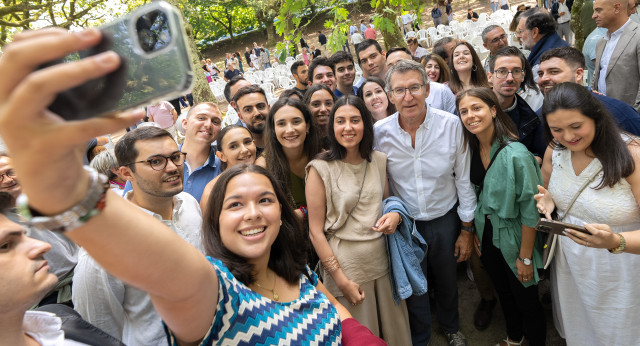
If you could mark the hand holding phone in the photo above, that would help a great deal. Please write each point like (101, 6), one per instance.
(557, 227)
(155, 65)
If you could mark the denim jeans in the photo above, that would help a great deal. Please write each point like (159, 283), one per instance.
(494, 6)
(441, 235)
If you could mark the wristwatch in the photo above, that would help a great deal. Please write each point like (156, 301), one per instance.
(621, 247)
(471, 229)
(526, 261)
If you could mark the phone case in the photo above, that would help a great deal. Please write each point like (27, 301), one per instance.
(155, 65)
(557, 227)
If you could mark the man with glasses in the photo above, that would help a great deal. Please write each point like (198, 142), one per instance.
(253, 110)
(439, 95)
(494, 38)
(428, 167)
(506, 73)
(537, 33)
(151, 161)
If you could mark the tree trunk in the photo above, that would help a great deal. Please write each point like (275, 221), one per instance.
(271, 32)
(394, 38)
(576, 24)
(200, 90)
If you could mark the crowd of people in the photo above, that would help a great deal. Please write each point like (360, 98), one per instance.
(338, 214)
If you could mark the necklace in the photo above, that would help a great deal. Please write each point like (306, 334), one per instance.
(273, 292)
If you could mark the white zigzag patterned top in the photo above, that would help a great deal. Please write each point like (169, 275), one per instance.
(244, 317)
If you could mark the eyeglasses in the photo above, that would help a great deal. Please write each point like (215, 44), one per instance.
(159, 162)
(414, 90)
(499, 38)
(9, 174)
(502, 73)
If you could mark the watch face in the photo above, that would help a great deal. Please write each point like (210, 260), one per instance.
(527, 261)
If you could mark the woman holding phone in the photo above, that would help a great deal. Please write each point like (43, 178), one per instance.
(248, 230)
(505, 174)
(594, 295)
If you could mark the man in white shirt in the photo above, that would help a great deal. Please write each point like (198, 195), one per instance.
(150, 159)
(428, 166)
(407, 22)
(562, 14)
(440, 96)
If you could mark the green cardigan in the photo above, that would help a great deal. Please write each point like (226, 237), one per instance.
(507, 196)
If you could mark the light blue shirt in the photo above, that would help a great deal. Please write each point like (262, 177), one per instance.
(612, 42)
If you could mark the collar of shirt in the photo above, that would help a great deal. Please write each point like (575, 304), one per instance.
(177, 203)
(608, 36)
(513, 106)
(211, 160)
(44, 327)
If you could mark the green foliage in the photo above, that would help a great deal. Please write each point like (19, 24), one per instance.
(16, 15)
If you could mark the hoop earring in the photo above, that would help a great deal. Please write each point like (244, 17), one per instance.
(474, 68)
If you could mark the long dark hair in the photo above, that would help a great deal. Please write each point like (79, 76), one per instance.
(288, 251)
(337, 151)
(277, 163)
(223, 133)
(478, 77)
(607, 145)
(391, 108)
(444, 69)
(503, 127)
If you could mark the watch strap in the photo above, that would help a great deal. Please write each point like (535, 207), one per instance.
(623, 244)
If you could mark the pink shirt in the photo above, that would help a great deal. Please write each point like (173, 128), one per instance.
(370, 33)
(161, 113)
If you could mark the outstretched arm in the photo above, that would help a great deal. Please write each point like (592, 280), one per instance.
(124, 240)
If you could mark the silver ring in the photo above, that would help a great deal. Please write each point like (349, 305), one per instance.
(587, 244)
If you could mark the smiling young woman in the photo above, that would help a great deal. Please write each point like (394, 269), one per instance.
(590, 283)
(235, 146)
(466, 68)
(348, 183)
(375, 98)
(506, 175)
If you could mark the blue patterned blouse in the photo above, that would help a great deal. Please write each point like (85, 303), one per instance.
(244, 317)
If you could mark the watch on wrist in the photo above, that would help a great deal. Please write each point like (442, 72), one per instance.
(74, 217)
(526, 261)
(621, 247)
(471, 229)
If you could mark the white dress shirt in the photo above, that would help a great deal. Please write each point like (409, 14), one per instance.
(46, 329)
(434, 175)
(119, 309)
(562, 7)
(441, 97)
(612, 42)
(420, 52)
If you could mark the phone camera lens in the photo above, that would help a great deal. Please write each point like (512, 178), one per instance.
(153, 31)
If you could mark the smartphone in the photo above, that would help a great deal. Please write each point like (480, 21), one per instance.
(156, 65)
(557, 227)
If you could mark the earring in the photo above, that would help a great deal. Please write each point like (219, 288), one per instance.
(474, 68)
(494, 115)
(280, 222)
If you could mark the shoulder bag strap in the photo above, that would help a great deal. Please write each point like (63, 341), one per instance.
(491, 163)
(584, 185)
